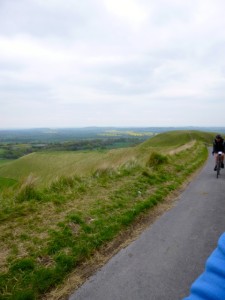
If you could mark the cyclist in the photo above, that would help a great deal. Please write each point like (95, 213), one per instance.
(218, 145)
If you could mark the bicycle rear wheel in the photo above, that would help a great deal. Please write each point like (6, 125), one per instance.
(218, 164)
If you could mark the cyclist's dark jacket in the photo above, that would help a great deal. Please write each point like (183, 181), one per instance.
(218, 146)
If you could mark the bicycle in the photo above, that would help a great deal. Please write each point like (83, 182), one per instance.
(218, 163)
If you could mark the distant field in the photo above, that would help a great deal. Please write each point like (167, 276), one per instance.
(115, 133)
(1, 151)
(47, 135)
(16, 144)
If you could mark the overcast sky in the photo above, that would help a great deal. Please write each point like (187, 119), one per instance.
(84, 63)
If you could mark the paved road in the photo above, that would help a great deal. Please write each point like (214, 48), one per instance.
(166, 258)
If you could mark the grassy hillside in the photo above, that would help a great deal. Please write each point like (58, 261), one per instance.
(49, 226)
(178, 138)
(48, 166)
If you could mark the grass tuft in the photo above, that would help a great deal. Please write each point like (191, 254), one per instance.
(28, 191)
(156, 159)
(104, 172)
(64, 182)
(25, 264)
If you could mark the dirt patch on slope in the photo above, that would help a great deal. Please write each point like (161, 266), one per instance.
(182, 148)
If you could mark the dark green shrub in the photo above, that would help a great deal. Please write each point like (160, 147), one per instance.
(156, 159)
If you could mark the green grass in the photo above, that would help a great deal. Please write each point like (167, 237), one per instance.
(5, 161)
(46, 231)
(6, 182)
(2, 151)
(178, 138)
(48, 166)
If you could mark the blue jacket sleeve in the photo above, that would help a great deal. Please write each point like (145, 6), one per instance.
(210, 285)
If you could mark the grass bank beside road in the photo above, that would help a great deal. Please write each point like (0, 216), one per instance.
(47, 231)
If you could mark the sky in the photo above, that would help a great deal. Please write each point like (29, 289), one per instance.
(139, 63)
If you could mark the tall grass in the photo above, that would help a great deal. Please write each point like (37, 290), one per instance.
(27, 190)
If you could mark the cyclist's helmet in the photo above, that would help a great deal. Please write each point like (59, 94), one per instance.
(218, 136)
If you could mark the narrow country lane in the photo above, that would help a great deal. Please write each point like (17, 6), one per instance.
(163, 262)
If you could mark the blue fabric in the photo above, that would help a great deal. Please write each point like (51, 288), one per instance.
(210, 285)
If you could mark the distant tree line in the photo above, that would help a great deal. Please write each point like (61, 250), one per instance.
(16, 150)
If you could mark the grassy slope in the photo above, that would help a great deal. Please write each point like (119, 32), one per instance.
(48, 166)
(74, 217)
(178, 138)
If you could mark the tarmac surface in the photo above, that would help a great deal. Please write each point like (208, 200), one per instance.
(168, 256)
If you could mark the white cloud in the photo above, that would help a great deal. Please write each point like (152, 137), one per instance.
(82, 63)
(129, 11)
